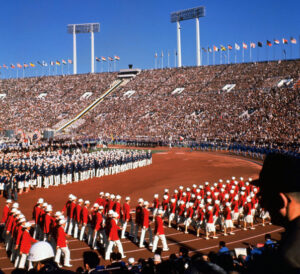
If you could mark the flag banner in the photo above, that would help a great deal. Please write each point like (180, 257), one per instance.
(284, 41)
(110, 58)
(204, 49)
(269, 43)
(103, 58)
(25, 65)
(237, 47)
(0, 67)
(98, 59)
(276, 42)
(64, 61)
(19, 65)
(252, 45)
(12, 66)
(293, 40)
(57, 63)
(259, 44)
(45, 64)
(223, 48)
(229, 47)
(118, 58)
(52, 63)
(155, 55)
(39, 63)
(70, 61)
(32, 65)
(162, 54)
(209, 49)
(245, 46)
(216, 48)
(5, 66)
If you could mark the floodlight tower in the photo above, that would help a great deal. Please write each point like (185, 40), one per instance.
(187, 15)
(83, 28)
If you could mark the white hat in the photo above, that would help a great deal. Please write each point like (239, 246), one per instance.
(61, 217)
(165, 197)
(247, 183)
(194, 186)
(57, 213)
(40, 251)
(198, 197)
(87, 202)
(217, 202)
(233, 178)
(40, 201)
(231, 191)
(127, 198)
(110, 212)
(206, 183)
(226, 196)
(101, 207)
(188, 189)
(140, 200)
(49, 208)
(80, 200)
(241, 178)
(15, 205)
(182, 202)
(209, 200)
(62, 221)
(236, 198)
(22, 220)
(181, 187)
(112, 196)
(157, 258)
(209, 207)
(8, 201)
(13, 210)
(221, 181)
(208, 192)
(115, 215)
(155, 195)
(159, 212)
(250, 179)
(227, 204)
(101, 193)
(187, 205)
(175, 191)
(191, 204)
(96, 205)
(131, 260)
(45, 204)
(70, 196)
(118, 197)
(166, 190)
(184, 194)
(106, 194)
(146, 203)
(27, 224)
(173, 200)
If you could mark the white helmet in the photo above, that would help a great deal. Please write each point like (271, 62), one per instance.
(40, 251)
(181, 187)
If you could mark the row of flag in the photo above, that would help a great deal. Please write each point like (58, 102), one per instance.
(104, 59)
(43, 64)
(251, 45)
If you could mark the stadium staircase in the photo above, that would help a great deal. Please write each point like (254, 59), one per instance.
(113, 86)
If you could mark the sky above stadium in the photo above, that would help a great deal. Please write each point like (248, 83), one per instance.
(134, 30)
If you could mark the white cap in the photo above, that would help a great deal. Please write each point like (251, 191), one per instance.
(217, 202)
(112, 196)
(45, 204)
(70, 196)
(181, 187)
(221, 181)
(57, 213)
(206, 183)
(146, 203)
(40, 251)
(184, 194)
(166, 190)
(250, 179)
(140, 200)
(22, 220)
(61, 217)
(182, 202)
(165, 197)
(80, 200)
(188, 189)
(106, 194)
(209, 207)
(15, 205)
(118, 197)
(27, 224)
(231, 191)
(175, 191)
(227, 204)
(101, 193)
(198, 197)
(110, 212)
(233, 178)
(194, 186)
(209, 200)
(96, 205)
(187, 205)
(226, 196)
(40, 201)
(159, 212)
(208, 192)
(87, 202)
(101, 207)
(236, 198)
(173, 200)
(49, 208)
(115, 215)
(241, 178)
(62, 221)
(127, 198)
(191, 204)
(8, 201)
(13, 210)
(131, 260)
(155, 195)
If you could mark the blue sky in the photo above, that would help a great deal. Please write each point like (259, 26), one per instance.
(35, 30)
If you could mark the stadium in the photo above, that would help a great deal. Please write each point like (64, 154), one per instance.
(145, 170)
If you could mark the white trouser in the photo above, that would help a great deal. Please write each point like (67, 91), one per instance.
(22, 262)
(46, 181)
(103, 239)
(82, 232)
(110, 247)
(66, 252)
(76, 226)
(64, 179)
(143, 233)
(76, 177)
(39, 181)
(71, 224)
(163, 240)
(51, 180)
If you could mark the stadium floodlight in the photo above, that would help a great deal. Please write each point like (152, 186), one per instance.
(83, 28)
(187, 15)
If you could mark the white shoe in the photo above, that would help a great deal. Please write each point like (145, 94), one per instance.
(68, 265)
(225, 234)
(215, 237)
(59, 265)
(141, 246)
(206, 238)
(252, 228)
(244, 228)
(167, 249)
(186, 232)
(231, 233)
(150, 244)
(123, 257)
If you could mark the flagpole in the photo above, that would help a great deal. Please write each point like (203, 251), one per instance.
(243, 53)
(168, 59)
(213, 57)
(175, 59)
(228, 59)
(250, 53)
(208, 57)
(234, 54)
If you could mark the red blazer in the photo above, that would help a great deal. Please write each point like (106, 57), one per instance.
(98, 221)
(6, 210)
(117, 208)
(77, 213)
(47, 223)
(138, 215)
(61, 237)
(9, 224)
(159, 228)
(126, 212)
(145, 216)
(113, 232)
(84, 215)
(36, 213)
(19, 235)
(26, 242)
(71, 211)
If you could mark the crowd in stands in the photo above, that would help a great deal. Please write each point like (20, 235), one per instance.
(201, 210)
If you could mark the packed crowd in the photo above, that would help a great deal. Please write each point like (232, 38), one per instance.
(202, 210)
(22, 171)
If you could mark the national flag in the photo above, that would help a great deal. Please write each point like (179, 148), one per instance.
(204, 49)
(98, 59)
(64, 61)
(19, 65)
(236, 46)
(32, 65)
(39, 63)
(103, 58)
(252, 45)
(5, 66)
(110, 58)
(223, 48)
(216, 48)
(0, 67)
(12, 66)
(118, 58)
(57, 63)
(229, 47)
(245, 46)
(293, 40)
(52, 63)
(269, 43)
(162, 54)
(155, 55)
(209, 49)
(284, 41)
(276, 42)
(259, 44)
(45, 64)
(25, 65)
(70, 61)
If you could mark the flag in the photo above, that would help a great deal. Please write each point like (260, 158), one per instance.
(64, 61)
(57, 63)
(209, 49)
(229, 47)
(32, 65)
(110, 58)
(236, 46)
(118, 58)
(276, 42)
(162, 54)
(52, 63)
(5, 66)
(39, 63)
(223, 48)
(204, 49)
(19, 65)
(70, 61)
(155, 55)
(12, 66)
(25, 65)
(98, 59)
(269, 43)
(245, 46)
(259, 44)
(0, 67)
(103, 58)
(284, 41)
(252, 45)
(216, 48)
(293, 40)
(45, 64)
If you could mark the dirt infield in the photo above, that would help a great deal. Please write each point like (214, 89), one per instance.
(170, 169)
